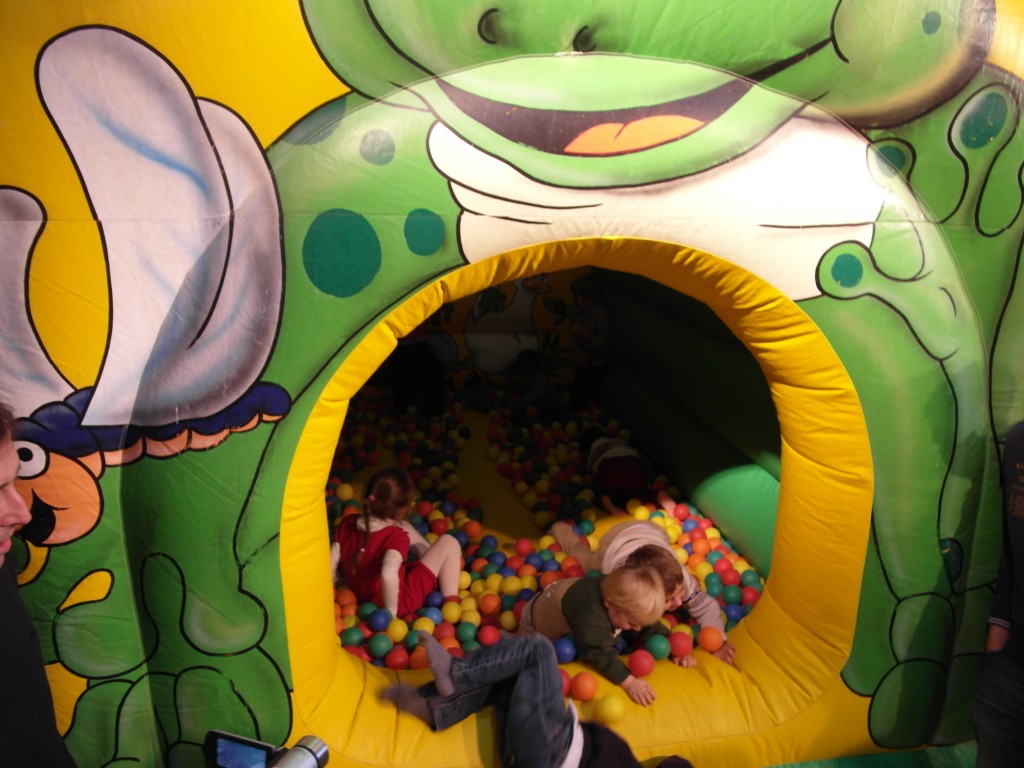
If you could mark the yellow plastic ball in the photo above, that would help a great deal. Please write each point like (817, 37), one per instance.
(473, 617)
(511, 585)
(610, 708)
(529, 500)
(344, 492)
(703, 569)
(397, 630)
(530, 582)
(468, 604)
(424, 624)
(520, 488)
(508, 621)
(493, 582)
(451, 612)
(545, 541)
(683, 628)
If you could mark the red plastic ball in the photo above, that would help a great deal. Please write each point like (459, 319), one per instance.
(566, 681)
(681, 644)
(524, 547)
(641, 663)
(397, 658)
(488, 635)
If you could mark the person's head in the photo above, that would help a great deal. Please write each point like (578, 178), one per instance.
(389, 494)
(13, 512)
(633, 597)
(668, 567)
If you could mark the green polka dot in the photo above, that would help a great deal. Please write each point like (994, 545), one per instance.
(341, 253)
(984, 122)
(895, 158)
(931, 22)
(424, 232)
(377, 147)
(847, 270)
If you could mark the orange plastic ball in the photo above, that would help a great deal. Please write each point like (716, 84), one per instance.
(584, 685)
(710, 639)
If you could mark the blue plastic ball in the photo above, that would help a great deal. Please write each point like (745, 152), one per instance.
(379, 620)
(565, 650)
(434, 600)
(489, 541)
(433, 614)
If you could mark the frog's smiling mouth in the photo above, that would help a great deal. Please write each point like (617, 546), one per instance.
(601, 132)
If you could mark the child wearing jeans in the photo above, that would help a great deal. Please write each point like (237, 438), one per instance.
(595, 609)
(640, 542)
(519, 676)
(372, 550)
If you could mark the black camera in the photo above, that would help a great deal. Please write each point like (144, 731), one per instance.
(228, 750)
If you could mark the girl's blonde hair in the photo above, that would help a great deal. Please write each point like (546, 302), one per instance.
(663, 561)
(637, 592)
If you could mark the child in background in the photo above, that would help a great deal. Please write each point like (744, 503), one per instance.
(371, 550)
(640, 542)
(620, 473)
(595, 609)
(535, 728)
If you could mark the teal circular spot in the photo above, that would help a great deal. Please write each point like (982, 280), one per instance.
(341, 253)
(931, 22)
(377, 147)
(987, 117)
(847, 270)
(319, 125)
(895, 158)
(424, 232)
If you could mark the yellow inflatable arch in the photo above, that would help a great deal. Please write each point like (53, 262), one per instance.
(781, 702)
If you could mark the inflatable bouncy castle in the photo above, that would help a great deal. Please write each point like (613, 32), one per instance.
(218, 220)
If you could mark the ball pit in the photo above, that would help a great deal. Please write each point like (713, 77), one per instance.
(542, 465)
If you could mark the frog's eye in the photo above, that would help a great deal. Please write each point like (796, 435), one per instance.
(487, 27)
(33, 459)
(584, 41)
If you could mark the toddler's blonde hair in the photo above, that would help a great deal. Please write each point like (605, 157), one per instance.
(637, 592)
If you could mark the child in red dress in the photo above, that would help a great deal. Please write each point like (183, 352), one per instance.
(371, 553)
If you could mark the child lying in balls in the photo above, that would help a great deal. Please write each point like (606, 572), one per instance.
(640, 542)
(519, 677)
(595, 610)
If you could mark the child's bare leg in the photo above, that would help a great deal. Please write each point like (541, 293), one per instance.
(443, 558)
(571, 544)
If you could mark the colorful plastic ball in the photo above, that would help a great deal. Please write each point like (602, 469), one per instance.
(378, 620)
(750, 596)
(365, 610)
(425, 624)
(681, 644)
(566, 681)
(710, 639)
(433, 614)
(488, 635)
(732, 595)
(565, 650)
(397, 658)
(465, 632)
(445, 631)
(378, 645)
(434, 600)
(658, 646)
(610, 708)
(641, 663)
(489, 604)
(731, 577)
(583, 686)
(397, 630)
(750, 578)
(524, 547)
(735, 612)
(352, 636)
(489, 541)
